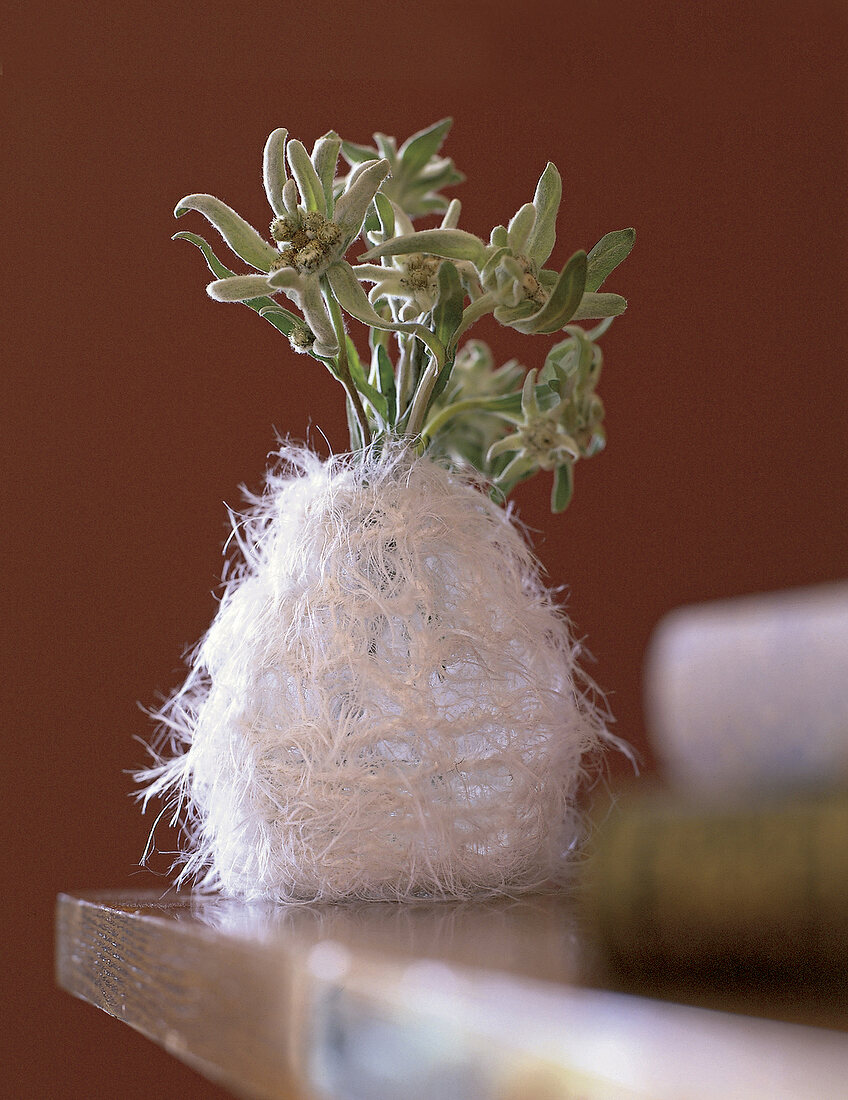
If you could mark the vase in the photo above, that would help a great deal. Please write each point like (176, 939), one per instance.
(388, 704)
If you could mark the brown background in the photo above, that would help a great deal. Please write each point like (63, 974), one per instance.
(138, 405)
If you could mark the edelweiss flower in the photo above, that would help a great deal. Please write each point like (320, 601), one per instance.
(514, 285)
(312, 229)
(572, 369)
(540, 442)
(560, 419)
(417, 172)
(410, 281)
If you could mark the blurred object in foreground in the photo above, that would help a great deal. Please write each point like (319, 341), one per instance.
(752, 692)
(432, 1000)
(751, 885)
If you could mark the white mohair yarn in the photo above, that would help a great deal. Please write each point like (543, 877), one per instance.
(387, 704)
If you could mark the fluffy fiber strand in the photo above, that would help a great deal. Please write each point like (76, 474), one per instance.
(387, 704)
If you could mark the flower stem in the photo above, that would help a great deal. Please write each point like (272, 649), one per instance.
(344, 367)
(403, 369)
(422, 396)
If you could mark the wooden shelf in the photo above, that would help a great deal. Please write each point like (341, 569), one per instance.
(382, 1001)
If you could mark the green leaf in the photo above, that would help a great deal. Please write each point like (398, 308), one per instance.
(447, 314)
(442, 380)
(420, 207)
(529, 401)
(377, 400)
(286, 278)
(563, 487)
(353, 427)
(291, 198)
(417, 150)
(540, 242)
(282, 319)
(520, 227)
(607, 254)
(563, 301)
(508, 405)
(488, 272)
(452, 244)
(586, 352)
(274, 170)
(452, 212)
(325, 155)
(385, 378)
(551, 374)
(314, 309)
(569, 362)
(507, 444)
(511, 315)
(352, 205)
(599, 305)
(499, 237)
(352, 298)
(353, 361)
(386, 147)
(518, 469)
(386, 214)
(310, 186)
(220, 271)
(357, 154)
(239, 235)
(238, 288)
(597, 332)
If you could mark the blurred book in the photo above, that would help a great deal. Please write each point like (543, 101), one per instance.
(741, 882)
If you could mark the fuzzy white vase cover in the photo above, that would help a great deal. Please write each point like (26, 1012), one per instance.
(387, 704)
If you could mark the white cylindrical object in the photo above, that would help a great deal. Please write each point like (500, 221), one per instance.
(752, 692)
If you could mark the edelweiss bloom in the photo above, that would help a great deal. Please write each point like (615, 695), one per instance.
(418, 173)
(540, 439)
(560, 419)
(312, 229)
(540, 442)
(410, 281)
(514, 285)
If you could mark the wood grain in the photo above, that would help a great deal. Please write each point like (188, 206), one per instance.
(213, 1001)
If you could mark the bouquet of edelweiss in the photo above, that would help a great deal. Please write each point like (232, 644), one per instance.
(388, 704)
